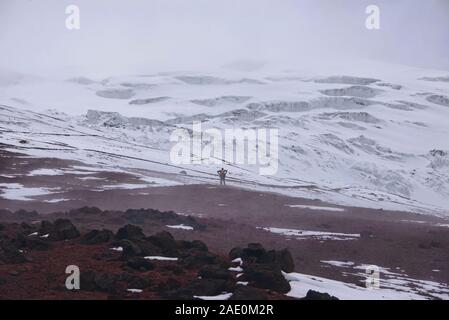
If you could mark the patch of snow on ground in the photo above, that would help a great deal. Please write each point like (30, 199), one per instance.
(181, 226)
(338, 263)
(46, 172)
(395, 285)
(134, 290)
(161, 258)
(16, 191)
(316, 235)
(315, 207)
(235, 269)
(301, 284)
(56, 200)
(223, 296)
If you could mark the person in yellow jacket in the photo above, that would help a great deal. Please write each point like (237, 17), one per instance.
(222, 174)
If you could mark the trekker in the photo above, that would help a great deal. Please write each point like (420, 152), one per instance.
(222, 174)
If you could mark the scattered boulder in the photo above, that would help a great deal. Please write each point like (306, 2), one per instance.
(315, 295)
(139, 283)
(135, 282)
(97, 236)
(164, 241)
(61, 229)
(139, 263)
(92, 281)
(32, 243)
(199, 258)
(139, 216)
(282, 258)
(266, 276)
(214, 272)
(209, 287)
(130, 249)
(196, 245)
(256, 253)
(10, 254)
(148, 249)
(129, 232)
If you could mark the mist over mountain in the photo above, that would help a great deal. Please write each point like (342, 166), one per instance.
(132, 36)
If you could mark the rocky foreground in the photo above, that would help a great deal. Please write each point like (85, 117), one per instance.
(128, 264)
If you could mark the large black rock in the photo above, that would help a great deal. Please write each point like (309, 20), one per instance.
(129, 232)
(315, 295)
(214, 272)
(139, 263)
(266, 276)
(61, 229)
(92, 281)
(256, 253)
(97, 236)
(10, 254)
(164, 241)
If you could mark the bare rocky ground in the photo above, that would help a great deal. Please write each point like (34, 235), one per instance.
(222, 218)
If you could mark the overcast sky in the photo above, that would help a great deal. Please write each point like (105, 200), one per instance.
(124, 36)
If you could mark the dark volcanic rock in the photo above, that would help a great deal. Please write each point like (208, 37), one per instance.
(129, 232)
(256, 253)
(253, 253)
(147, 248)
(130, 249)
(10, 254)
(164, 241)
(97, 236)
(282, 258)
(209, 287)
(214, 272)
(198, 287)
(199, 258)
(314, 295)
(32, 243)
(139, 263)
(195, 244)
(92, 281)
(266, 276)
(139, 283)
(139, 216)
(61, 229)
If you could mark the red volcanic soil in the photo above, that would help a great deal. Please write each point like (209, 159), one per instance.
(33, 262)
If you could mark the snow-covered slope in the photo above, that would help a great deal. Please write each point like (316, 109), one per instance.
(376, 138)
